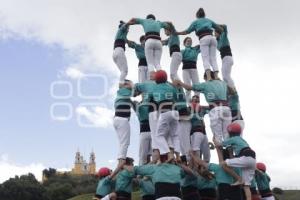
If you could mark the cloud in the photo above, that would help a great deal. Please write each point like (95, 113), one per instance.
(74, 73)
(9, 169)
(94, 116)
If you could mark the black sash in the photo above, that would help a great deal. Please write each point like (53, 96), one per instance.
(153, 35)
(121, 195)
(247, 152)
(208, 193)
(186, 64)
(167, 190)
(144, 126)
(226, 191)
(174, 48)
(265, 193)
(119, 43)
(203, 33)
(123, 110)
(190, 193)
(198, 129)
(225, 51)
(148, 197)
(143, 62)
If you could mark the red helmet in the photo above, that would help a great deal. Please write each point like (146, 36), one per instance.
(234, 128)
(261, 166)
(161, 76)
(104, 171)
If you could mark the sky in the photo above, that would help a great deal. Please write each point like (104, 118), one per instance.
(58, 80)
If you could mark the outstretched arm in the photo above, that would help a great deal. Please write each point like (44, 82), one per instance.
(186, 169)
(181, 33)
(198, 161)
(185, 86)
(132, 22)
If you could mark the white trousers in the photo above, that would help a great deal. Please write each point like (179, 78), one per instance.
(166, 127)
(176, 60)
(220, 118)
(122, 128)
(168, 198)
(121, 62)
(190, 76)
(247, 165)
(143, 71)
(184, 130)
(199, 143)
(153, 52)
(208, 47)
(153, 119)
(227, 63)
(145, 147)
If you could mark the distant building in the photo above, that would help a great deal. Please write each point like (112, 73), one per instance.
(81, 167)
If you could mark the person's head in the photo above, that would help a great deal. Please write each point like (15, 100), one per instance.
(151, 16)
(161, 76)
(234, 129)
(163, 158)
(183, 159)
(128, 83)
(121, 23)
(195, 101)
(217, 33)
(129, 161)
(142, 40)
(261, 166)
(167, 32)
(103, 172)
(212, 75)
(200, 13)
(226, 154)
(188, 42)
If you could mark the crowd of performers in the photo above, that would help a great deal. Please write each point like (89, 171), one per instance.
(174, 153)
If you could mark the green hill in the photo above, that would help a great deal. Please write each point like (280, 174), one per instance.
(288, 195)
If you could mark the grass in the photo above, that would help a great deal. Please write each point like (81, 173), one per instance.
(288, 195)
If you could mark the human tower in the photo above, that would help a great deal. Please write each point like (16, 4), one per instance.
(174, 153)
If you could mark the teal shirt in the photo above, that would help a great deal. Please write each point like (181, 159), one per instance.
(190, 53)
(221, 175)
(164, 172)
(197, 118)
(164, 92)
(139, 50)
(201, 24)
(215, 90)
(124, 181)
(142, 112)
(145, 88)
(173, 40)
(203, 183)
(105, 186)
(262, 180)
(122, 33)
(234, 102)
(223, 39)
(151, 25)
(253, 183)
(236, 142)
(180, 99)
(123, 97)
(146, 187)
(189, 180)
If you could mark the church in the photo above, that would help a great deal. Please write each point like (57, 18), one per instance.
(81, 167)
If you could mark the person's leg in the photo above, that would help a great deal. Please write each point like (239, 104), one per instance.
(227, 63)
(157, 54)
(225, 115)
(120, 60)
(176, 60)
(187, 80)
(213, 54)
(153, 118)
(142, 74)
(195, 143)
(143, 151)
(204, 47)
(195, 77)
(216, 124)
(183, 130)
(204, 148)
(122, 128)
(173, 116)
(163, 128)
(149, 53)
(247, 192)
